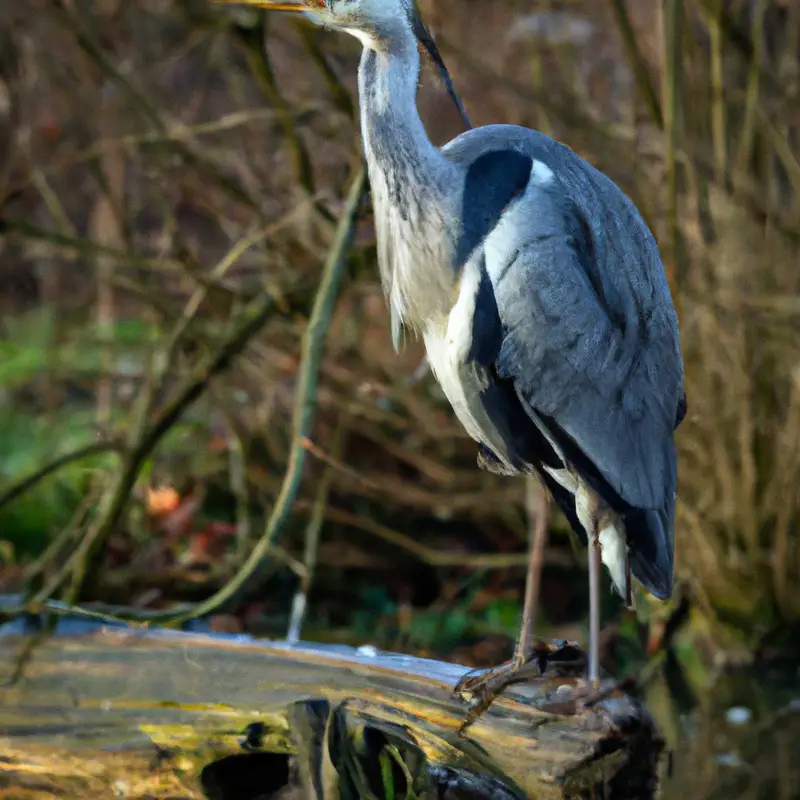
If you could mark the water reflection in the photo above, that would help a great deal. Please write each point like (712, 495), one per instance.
(742, 741)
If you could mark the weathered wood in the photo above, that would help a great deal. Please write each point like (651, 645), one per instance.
(104, 711)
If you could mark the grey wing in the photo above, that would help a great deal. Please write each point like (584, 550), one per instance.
(589, 340)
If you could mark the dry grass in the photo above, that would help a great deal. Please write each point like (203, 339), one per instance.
(740, 468)
(156, 148)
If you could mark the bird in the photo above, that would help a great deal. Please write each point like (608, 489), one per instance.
(542, 300)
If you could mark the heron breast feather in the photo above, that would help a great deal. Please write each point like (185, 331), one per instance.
(449, 343)
(448, 340)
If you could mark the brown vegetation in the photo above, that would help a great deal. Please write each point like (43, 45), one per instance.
(169, 191)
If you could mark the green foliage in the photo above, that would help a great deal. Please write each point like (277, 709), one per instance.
(26, 443)
(29, 348)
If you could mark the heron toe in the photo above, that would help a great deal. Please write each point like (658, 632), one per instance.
(547, 660)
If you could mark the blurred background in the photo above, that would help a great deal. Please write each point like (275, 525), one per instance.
(171, 175)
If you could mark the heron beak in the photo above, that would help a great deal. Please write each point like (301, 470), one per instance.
(268, 5)
(426, 40)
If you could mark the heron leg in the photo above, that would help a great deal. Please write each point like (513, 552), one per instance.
(528, 660)
(587, 506)
(539, 508)
(594, 601)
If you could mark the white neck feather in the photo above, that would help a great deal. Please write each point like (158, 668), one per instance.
(413, 185)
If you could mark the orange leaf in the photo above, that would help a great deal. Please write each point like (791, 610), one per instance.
(162, 500)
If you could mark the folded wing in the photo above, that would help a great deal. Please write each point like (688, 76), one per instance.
(599, 371)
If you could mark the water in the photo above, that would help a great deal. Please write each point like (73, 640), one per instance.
(741, 741)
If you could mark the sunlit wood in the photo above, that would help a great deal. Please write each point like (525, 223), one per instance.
(148, 710)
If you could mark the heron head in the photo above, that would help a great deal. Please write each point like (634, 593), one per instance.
(369, 20)
(372, 21)
(375, 18)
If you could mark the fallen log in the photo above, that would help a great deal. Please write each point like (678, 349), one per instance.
(111, 711)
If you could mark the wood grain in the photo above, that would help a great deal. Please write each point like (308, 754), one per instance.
(111, 711)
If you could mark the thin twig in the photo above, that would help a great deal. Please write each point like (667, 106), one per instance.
(250, 322)
(783, 150)
(176, 131)
(673, 91)
(13, 606)
(636, 61)
(253, 42)
(165, 359)
(746, 193)
(28, 482)
(748, 130)
(339, 95)
(68, 536)
(565, 109)
(85, 247)
(302, 418)
(409, 493)
(429, 467)
(429, 555)
(71, 21)
(742, 41)
(237, 477)
(718, 110)
(313, 529)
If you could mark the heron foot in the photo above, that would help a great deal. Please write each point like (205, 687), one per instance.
(548, 659)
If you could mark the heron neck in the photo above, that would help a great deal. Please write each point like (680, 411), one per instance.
(395, 139)
(413, 187)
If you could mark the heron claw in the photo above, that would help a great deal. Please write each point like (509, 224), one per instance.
(480, 688)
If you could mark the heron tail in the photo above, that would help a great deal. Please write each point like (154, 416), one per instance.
(651, 534)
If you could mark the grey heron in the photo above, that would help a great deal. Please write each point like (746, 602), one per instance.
(540, 294)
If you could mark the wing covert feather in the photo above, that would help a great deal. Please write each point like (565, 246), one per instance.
(594, 352)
